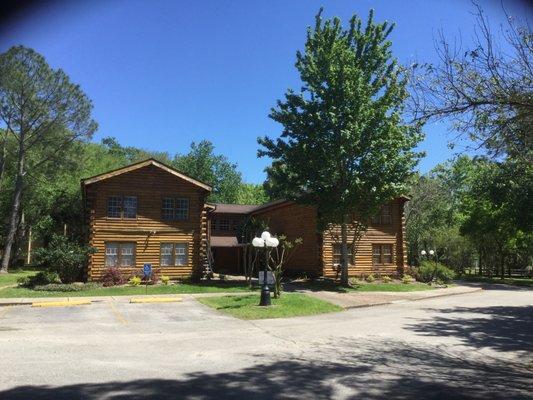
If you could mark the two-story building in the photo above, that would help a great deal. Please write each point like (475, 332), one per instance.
(150, 213)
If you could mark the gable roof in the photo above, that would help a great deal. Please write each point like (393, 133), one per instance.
(142, 164)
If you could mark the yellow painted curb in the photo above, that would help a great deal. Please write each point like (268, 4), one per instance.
(61, 303)
(155, 300)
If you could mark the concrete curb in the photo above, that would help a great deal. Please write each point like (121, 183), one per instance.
(106, 299)
(416, 299)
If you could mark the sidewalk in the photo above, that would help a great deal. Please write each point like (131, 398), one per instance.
(365, 299)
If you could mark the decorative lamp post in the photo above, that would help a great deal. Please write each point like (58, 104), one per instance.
(430, 254)
(266, 241)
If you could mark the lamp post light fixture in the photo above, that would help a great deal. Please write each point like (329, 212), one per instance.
(430, 254)
(267, 242)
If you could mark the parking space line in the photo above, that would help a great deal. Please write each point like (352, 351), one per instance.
(118, 315)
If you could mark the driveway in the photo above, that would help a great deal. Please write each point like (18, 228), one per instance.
(476, 345)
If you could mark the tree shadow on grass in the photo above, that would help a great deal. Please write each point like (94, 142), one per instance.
(346, 368)
(499, 328)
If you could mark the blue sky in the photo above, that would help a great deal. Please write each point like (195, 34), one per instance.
(164, 73)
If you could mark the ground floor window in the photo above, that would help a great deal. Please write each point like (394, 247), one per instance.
(337, 254)
(174, 254)
(382, 253)
(120, 254)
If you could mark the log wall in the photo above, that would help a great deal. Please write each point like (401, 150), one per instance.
(150, 184)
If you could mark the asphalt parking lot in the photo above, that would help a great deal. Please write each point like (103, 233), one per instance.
(474, 345)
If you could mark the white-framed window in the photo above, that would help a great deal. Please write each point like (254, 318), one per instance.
(122, 206)
(174, 254)
(129, 206)
(382, 254)
(175, 208)
(337, 254)
(167, 254)
(114, 206)
(120, 254)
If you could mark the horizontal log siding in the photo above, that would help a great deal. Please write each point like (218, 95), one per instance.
(296, 221)
(150, 184)
(376, 234)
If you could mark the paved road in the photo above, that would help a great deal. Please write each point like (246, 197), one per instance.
(477, 345)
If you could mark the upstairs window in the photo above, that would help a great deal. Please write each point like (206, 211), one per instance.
(174, 254)
(113, 206)
(337, 254)
(129, 207)
(384, 217)
(175, 208)
(122, 207)
(223, 224)
(382, 254)
(120, 254)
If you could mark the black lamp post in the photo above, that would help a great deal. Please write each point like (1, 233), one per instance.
(266, 242)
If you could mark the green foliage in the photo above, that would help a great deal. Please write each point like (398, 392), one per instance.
(370, 278)
(42, 278)
(69, 287)
(65, 257)
(386, 279)
(429, 271)
(407, 279)
(201, 163)
(250, 193)
(165, 280)
(135, 281)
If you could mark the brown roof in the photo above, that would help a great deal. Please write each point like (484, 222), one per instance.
(224, 241)
(234, 208)
(133, 167)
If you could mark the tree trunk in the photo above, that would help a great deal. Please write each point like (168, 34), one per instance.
(15, 207)
(344, 251)
(3, 154)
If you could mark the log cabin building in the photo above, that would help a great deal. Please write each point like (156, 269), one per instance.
(150, 213)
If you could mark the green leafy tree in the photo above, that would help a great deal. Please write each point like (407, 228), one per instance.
(498, 215)
(45, 113)
(344, 147)
(201, 163)
(250, 193)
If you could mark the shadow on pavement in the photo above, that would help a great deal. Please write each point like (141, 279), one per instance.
(347, 368)
(500, 328)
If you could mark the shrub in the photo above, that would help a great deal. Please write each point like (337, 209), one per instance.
(370, 278)
(165, 280)
(386, 279)
(69, 287)
(42, 278)
(112, 276)
(135, 281)
(407, 279)
(65, 257)
(429, 270)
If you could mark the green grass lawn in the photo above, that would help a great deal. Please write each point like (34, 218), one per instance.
(288, 305)
(362, 287)
(509, 281)
(10, 278)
